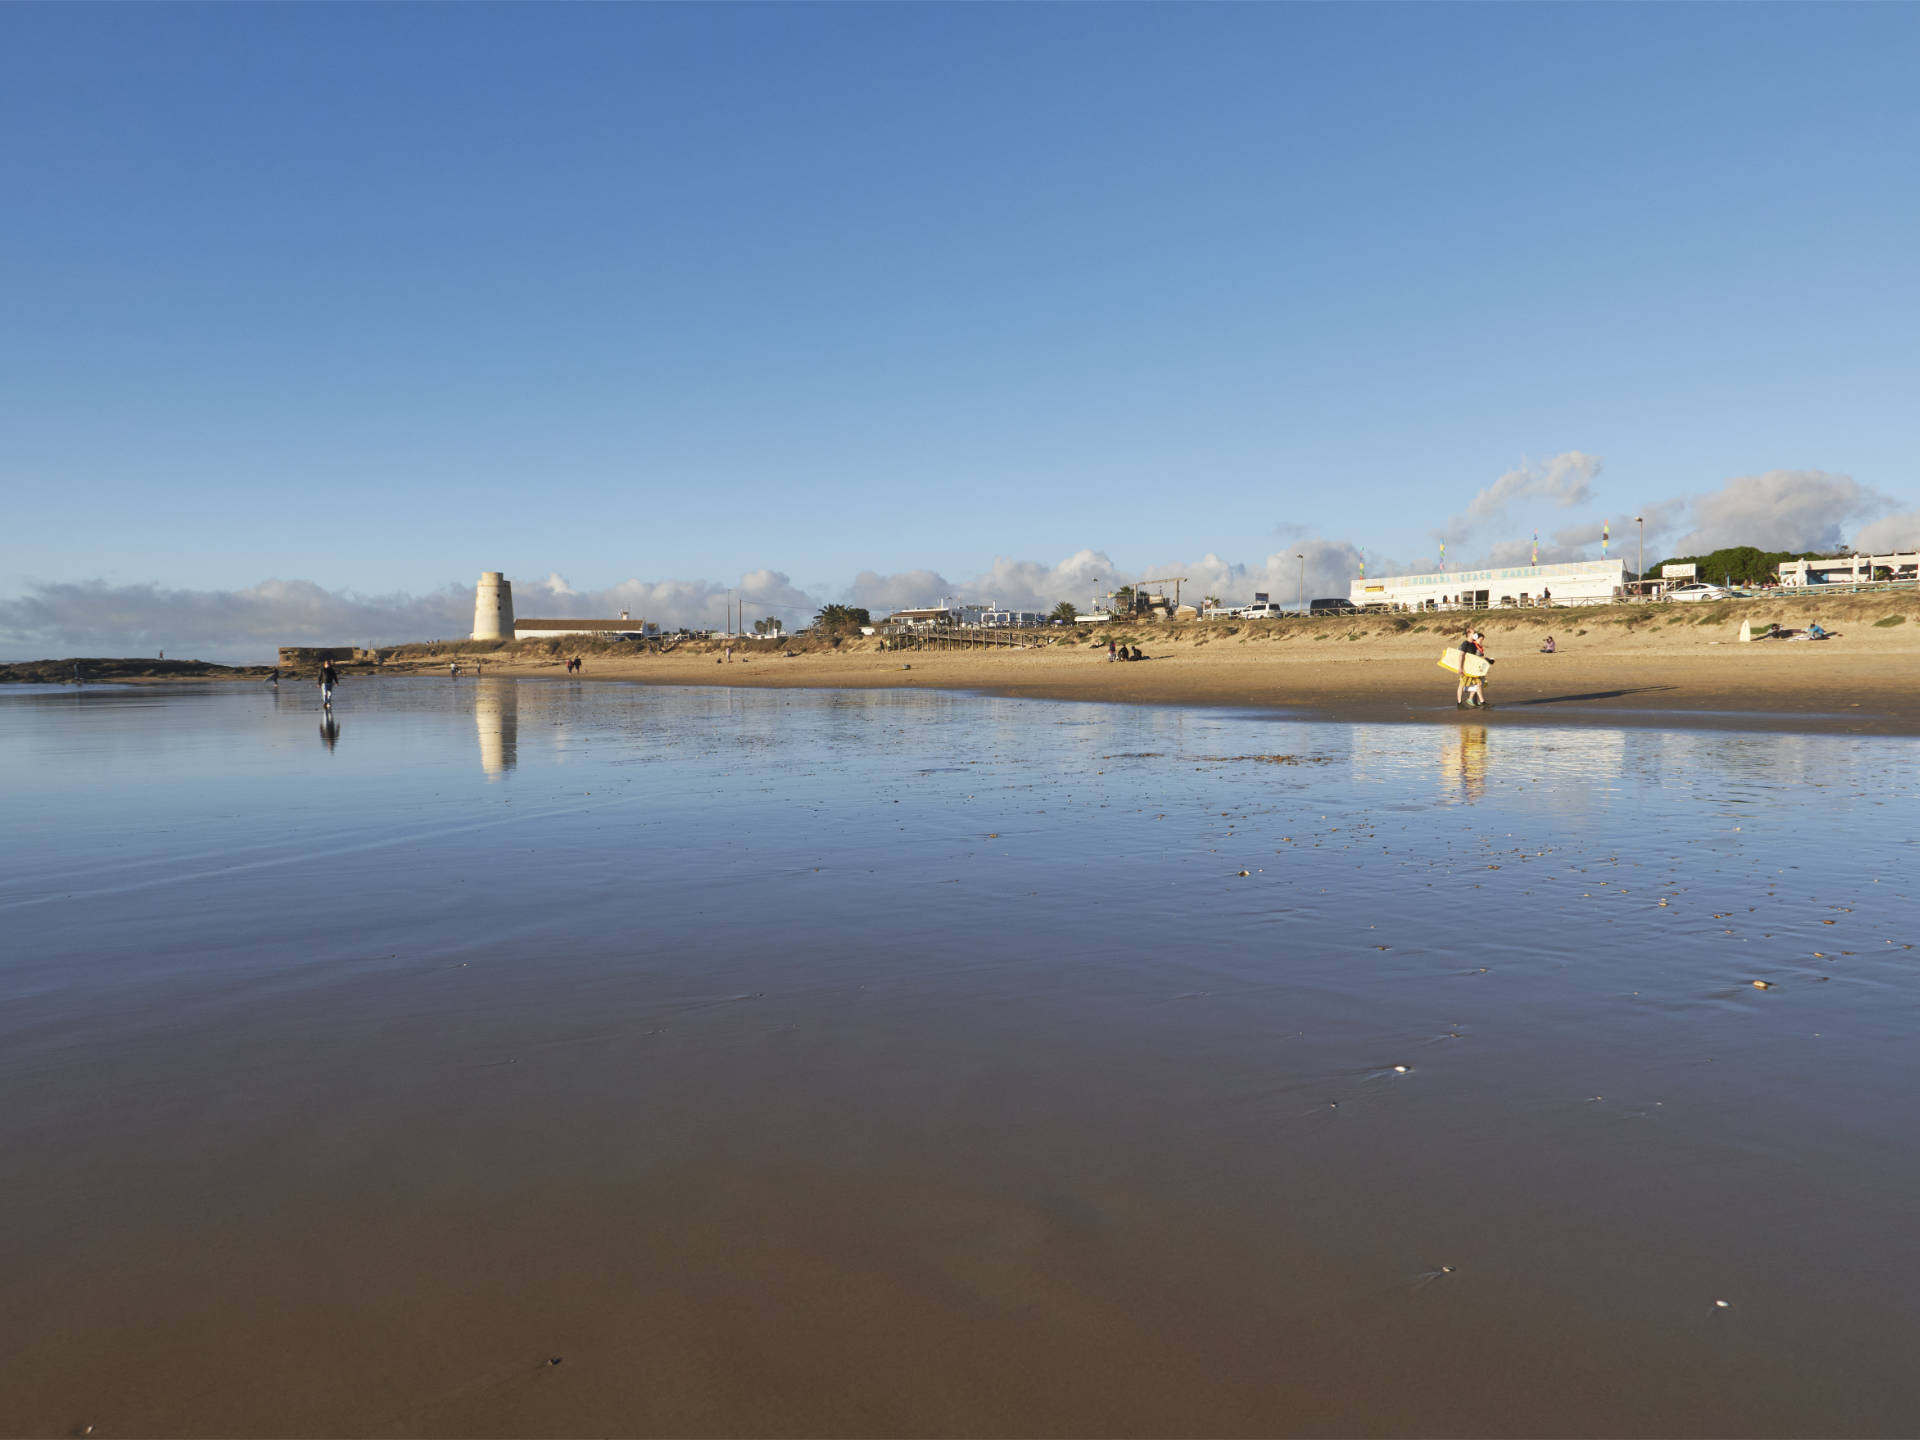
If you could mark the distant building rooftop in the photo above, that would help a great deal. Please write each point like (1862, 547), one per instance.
(579, 627)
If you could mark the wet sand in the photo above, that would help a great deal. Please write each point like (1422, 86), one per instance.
(880, 1063)
(1829, 688)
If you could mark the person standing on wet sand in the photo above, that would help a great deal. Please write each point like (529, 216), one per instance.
(1471, 645)
(329, 677)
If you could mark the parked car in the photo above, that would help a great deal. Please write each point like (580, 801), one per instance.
(1268, 611)
(1700, 590)
(1332, 606)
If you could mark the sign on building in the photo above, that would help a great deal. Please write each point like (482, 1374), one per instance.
(1679, 572)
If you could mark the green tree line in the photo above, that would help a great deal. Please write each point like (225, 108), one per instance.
(1742, 564)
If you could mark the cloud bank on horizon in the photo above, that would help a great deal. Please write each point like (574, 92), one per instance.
(1777, 510)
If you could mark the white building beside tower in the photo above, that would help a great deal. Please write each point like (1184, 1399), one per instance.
(493, 607)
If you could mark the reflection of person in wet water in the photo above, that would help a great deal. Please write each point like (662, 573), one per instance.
(329, 677)
(1473, 763)
(329, 730)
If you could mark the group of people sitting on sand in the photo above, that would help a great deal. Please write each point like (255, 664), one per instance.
(1812, 632)
(1121, 652)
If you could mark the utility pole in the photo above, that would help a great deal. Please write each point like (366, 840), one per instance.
(1303, 582)
(1640, 568)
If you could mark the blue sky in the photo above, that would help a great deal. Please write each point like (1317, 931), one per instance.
(377, 297)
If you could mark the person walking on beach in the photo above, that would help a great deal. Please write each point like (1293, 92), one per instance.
(273, 677)
(453, 670)
(1470, 646)
(1112, 653)
(329, 677)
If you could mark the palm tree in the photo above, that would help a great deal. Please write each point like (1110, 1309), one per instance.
(1064, 612)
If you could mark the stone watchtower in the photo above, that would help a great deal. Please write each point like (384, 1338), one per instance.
(493, 607)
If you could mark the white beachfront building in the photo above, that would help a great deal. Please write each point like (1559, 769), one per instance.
(1579, 582)
(1849, 569)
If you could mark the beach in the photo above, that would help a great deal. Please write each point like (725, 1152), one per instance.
(1663, 665)
(1671, 665)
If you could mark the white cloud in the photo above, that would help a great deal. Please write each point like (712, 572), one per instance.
(1329, 568)
(695, 604)
(1582, 541)
(905, 591)
(93, 617)
(1566, 480)
(1010, 584)
(1088, 575)
(1030, 585)
(1780, 510)
(1891, 532)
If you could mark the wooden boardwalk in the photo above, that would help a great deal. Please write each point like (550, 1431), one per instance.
(954, 637)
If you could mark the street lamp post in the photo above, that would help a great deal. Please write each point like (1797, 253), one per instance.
(1640, 567)
(1303, 582)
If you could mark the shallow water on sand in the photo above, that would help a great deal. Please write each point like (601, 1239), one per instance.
(825, 1062)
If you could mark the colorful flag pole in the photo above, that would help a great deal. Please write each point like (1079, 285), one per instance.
(1536, 547)
(1606, 537)
(1363, 567)
(1443, 555)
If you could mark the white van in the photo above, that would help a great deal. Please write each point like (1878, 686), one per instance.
(1267, 611)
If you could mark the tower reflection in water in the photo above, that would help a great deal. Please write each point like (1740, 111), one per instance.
(496, 715)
